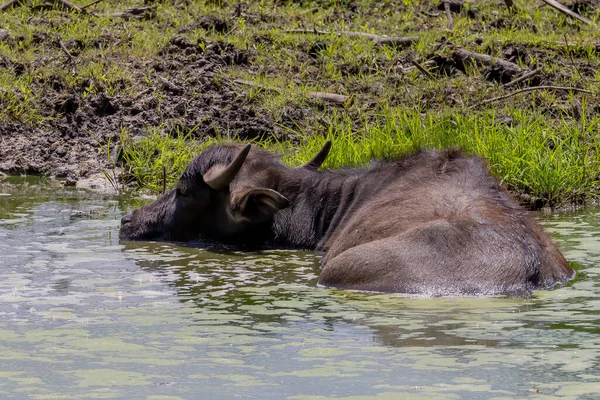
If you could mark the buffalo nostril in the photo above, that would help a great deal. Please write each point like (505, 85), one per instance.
(126, 219)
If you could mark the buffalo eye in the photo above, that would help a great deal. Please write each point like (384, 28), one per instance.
(181, 193)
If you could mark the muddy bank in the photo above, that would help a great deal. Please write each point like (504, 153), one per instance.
(182, 89)
(72, 84)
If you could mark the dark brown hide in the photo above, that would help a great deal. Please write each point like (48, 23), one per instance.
(434, 223)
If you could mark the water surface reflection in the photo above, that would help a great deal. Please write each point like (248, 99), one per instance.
(82, 316)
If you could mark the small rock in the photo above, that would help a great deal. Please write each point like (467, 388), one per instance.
(506, 120)
(97, 182)
(180, 108)
(4, 34)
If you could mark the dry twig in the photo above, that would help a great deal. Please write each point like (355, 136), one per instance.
(488, 60)
(70, 6)
(448, 15)
(10, 4)
(557, 6)
(63, 48)
(331, 97)
(93, 3)
(170, 86)
(523, 77)
(142, 93)
(399, 40)
(530, 89)
(422, 69)
(137, 12)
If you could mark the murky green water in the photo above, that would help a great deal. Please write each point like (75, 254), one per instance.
(82, 316)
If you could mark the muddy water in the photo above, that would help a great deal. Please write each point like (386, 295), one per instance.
(84, 316)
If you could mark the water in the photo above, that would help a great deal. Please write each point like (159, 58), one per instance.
(83, 316)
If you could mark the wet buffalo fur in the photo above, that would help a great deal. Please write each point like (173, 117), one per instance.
(433, 223)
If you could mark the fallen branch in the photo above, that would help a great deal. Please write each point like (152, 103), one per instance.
(523, 77)
(70, 6)
(488, 60)
(392, 41)
(331, 97)
(63, 48)
(557, 6)
(10, 4)
(448, 15)
(530, 89)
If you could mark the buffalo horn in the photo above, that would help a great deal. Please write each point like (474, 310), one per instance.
(319, 158)
(223, 180)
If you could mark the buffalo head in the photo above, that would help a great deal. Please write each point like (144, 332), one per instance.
(227, 194)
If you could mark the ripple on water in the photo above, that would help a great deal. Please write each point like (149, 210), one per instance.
(83, 316)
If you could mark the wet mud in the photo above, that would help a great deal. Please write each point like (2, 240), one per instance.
(187, 92)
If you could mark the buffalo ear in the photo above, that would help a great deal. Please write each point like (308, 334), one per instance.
(257, 205)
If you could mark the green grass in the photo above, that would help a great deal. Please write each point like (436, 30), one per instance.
(535, 143)
(555, 162)
(157, 156)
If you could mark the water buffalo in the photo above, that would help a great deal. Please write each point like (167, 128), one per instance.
(435, 222)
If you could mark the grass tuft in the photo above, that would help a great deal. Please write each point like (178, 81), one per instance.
(543, 143)
(555, 162)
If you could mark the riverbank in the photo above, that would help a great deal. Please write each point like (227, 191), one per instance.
(144, 91)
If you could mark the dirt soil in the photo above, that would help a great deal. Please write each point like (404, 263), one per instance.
(68, 144)
(195, 93)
